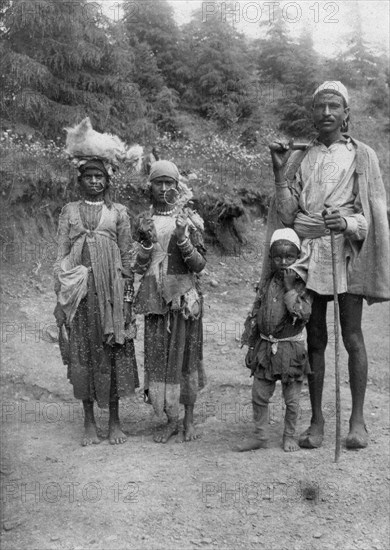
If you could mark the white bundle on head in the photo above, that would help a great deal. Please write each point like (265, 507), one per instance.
(83, 141)
(134, 156)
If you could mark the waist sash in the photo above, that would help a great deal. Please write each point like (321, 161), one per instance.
(275, 341)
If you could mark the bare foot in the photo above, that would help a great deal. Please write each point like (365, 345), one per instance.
(115, 435)
(90, 436)
(166, 432)
(357, 437)
(190, 432)
(290, 445)
(251, 445)
(312, 437)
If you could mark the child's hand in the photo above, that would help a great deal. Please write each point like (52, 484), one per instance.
(289, 277)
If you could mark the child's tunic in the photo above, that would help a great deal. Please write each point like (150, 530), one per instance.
(275, 332)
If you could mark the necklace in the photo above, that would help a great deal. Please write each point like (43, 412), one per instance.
(164, 213)
(275, 288)
(96, 203)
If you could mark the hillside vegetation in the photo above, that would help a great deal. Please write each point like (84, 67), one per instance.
(204, 95)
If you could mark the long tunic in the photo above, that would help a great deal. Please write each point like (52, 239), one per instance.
(368, 271)
(325, 178)
(278, 315)
(99, 348)
(170, 298)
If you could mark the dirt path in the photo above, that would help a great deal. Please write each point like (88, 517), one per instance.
(58, 495)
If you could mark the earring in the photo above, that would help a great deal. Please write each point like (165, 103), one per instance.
(344, 126)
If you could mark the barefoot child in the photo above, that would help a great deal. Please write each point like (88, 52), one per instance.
(274, 335)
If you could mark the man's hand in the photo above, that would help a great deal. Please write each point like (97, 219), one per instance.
(181, 227)
(333, 220)
(289, 278)
(280, 153)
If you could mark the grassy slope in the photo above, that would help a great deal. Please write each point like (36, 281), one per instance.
(223, 168)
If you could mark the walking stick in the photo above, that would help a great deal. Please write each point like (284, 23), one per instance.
(336, 345)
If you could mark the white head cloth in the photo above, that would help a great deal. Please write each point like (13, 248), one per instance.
(286, 234)
(333, 86)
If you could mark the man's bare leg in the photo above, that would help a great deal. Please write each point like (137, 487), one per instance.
(351, 307)
(188, 423)
(90, 434)
(317, 339)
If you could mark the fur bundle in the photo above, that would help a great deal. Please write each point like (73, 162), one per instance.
(83, 141)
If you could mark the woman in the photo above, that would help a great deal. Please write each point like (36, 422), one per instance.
(94, 286)
(170, 255)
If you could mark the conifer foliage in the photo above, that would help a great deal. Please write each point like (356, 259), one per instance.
(59, 62)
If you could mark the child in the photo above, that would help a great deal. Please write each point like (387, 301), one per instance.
(274, 335)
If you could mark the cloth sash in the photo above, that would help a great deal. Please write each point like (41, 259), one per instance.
(275, 341)
(311, 226)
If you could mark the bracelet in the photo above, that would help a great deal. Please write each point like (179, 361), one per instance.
(188, 256)
(128, 284)
(182, 243)
(128, 295)
(146, 247)
(282, 185)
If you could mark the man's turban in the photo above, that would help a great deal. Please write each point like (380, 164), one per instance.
(333, 86)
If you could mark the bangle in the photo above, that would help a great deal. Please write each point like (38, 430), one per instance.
(182, 243)
(282, 185)
(146, 247)
(128, 295)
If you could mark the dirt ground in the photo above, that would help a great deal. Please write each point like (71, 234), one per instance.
(59, 495)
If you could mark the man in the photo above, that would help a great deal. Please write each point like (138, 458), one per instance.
(335, 185)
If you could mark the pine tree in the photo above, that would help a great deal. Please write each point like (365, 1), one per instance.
(300, 80)
(61, 61)
(218, 70)
(274, 51)
(356, 64)
(151, 22)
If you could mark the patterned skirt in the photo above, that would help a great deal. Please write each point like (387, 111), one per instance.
(173, 361)
(93, 365)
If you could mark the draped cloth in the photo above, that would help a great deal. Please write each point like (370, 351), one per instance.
(74, 286)
(367, 272)
(170, 297)
(91, 261)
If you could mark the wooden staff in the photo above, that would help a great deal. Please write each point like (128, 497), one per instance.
(336, 345)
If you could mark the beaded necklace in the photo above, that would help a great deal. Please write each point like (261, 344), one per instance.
(94, 203)
(163, 213)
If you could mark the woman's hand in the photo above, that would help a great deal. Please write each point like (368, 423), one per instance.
(59, 315)
(181, 230)
(146, 231)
